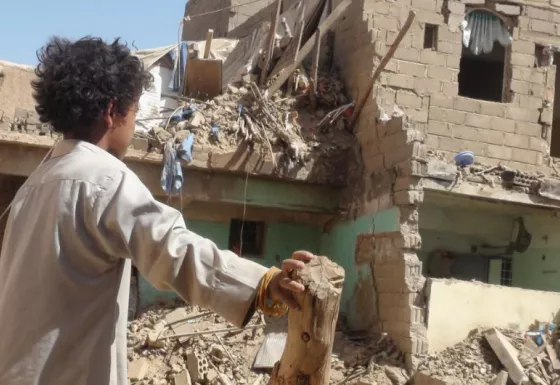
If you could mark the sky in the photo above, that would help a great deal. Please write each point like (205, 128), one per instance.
(27, 24)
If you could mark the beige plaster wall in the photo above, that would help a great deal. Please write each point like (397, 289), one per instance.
(457, 307)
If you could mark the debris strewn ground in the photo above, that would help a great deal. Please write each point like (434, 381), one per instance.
(158, 357)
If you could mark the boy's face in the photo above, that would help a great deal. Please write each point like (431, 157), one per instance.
(121, 132)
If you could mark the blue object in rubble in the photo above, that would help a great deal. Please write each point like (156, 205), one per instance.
(215, 130)
(172, 174)
(185, 148)
(240, 109)
(464, 159)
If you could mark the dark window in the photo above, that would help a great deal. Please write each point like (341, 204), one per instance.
(430, 36)
(482, 76)
(506, 276)
(246, 238)
(555, 134)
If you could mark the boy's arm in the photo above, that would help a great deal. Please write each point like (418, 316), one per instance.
(133, 224)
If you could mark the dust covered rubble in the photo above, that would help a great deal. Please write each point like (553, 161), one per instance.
(227, 358)
(268, 124)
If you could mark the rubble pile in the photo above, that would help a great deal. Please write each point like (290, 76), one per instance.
(265, 123)
(176, 345)
(492, 356)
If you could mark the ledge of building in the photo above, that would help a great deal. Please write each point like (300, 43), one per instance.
(321, 168)
(20, 154)
(497, 183)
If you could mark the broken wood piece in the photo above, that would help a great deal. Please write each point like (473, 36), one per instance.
(554, 361)
(270, 43)
(208, 45)
(204, 78)
(507, 355)
(228, 330)
(366, 95)
(292, 49)
(225, 348)
(307, 355)
(315, 68)
(308, 47)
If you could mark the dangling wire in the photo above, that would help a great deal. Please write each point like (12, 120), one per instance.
(244, 213)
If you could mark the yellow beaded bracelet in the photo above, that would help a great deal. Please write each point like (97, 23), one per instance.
(266, 304)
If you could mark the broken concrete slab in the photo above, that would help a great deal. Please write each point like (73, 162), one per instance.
(441, 170)
(501, 378)
(549, 188)
(138, 369)
(507, 355)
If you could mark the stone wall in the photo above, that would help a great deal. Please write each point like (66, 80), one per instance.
(424, 82)
(384, 176)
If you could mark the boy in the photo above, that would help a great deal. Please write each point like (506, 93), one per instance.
(83, 217)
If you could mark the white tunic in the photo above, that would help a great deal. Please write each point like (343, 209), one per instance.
(75, 227)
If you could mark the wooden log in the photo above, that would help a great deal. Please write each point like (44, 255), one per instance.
(307, 355)
(308, 47)
(270, 43)
(208, 46)
(365, 96)
(315, 68)
(291, 52)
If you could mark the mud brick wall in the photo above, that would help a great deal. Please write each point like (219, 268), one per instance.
(424, 82)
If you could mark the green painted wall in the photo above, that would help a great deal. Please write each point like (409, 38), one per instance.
(340, 245)
(465, 223)
(282, 239)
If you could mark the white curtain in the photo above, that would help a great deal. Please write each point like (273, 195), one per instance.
(481, 29)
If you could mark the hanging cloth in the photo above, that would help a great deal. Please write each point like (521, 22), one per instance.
(481, 29)
(180, 56)
(172, 174)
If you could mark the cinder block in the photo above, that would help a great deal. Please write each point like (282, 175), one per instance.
(386, 23)
(447, 115)
(431, 17)
(499, 152)
(450, 88)
(429, 5)
(529, 129)
(509, 9)
(417, 115)
(478, 120)
(412, 69)
(502, 124)
(427, 86)
(467, 104)
(442, 73)
(542, 26)
(516, 140)
(538, 144)
(521, 114)
(400, 81)
(408, 54)
(439, 128)
(519, 87)
(538, 13)
(453, 61)
(432, 57)
(493, 109)
(522, 60)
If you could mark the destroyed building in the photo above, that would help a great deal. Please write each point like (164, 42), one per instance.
(443, 198)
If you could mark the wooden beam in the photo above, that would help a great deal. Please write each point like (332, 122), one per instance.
(292, 50)
(365, 96)
(270, 43)
(307, 355)
(208, 46)
(315, 68)
(308, 47)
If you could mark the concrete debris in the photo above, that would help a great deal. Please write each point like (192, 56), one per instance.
(227, 358)
(266, 123)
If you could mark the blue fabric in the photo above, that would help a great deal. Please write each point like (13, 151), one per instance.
(172, 174)
(185, 149)
(215, 130)
(180, 63)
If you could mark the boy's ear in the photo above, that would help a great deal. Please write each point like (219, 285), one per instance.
(109, 114)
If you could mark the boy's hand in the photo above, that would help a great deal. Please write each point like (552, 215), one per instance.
(282, 287)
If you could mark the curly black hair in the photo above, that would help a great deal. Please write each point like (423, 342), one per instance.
(76, 81)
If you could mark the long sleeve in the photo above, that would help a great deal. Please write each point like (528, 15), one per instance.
(135, 225)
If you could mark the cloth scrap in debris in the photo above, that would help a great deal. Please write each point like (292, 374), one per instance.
(172, 174)
(185, 148)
